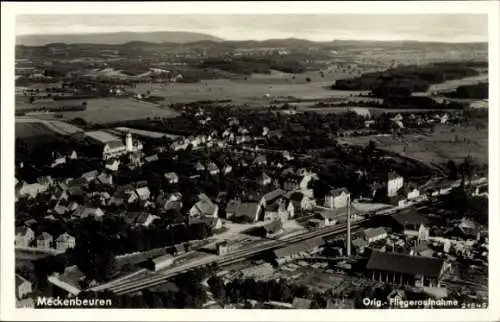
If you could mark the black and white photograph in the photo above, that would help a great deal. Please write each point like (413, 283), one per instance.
(252, 161)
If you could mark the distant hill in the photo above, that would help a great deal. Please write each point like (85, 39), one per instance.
(116, 38)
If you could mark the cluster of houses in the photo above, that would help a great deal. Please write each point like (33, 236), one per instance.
(26, 238)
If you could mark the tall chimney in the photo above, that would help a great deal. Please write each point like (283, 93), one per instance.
(349, 226)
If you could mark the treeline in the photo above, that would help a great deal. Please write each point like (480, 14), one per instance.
(407, 102)
(65, 108)
(250, 65)
(476, 91)
(404, 80)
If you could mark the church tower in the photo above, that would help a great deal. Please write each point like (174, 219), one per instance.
(128, 142)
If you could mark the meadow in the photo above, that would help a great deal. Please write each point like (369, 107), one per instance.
(254, 90)
(445, 143)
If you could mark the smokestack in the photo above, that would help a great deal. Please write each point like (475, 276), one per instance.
(349, 226)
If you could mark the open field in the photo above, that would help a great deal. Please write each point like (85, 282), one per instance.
(252, 91)
(104, 110)
(446, 143)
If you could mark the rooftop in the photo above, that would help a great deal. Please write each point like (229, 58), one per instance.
(409, 216)
(101, 136)
(374, 232)
(405, 264)
(299, 247)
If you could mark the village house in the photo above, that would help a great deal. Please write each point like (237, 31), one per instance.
(276, 211)
(412, 193)
(112, 164)
(213, 169)
(372, 235)
(204, 207)
(24, 236)
(170, 201)
(247, 211)
(59, 195)
(359, 245)
(30, 190)
(227, 169)
(172, 177)
(408, 221)
(394, 183)
(60, 210)
(264, 179)
(290, 183)
(299, 202)
(44, 241)
(287, 156)
(105, 179)
(151, 158)
(73, 155)
(199, 167)
(90, 176)
(260, 160)
(143, 193)
(271, 197)
(65, 241)
(23, 287)
(328, 217)
(338, 198)
(143, 219)
(297, 250)
(84, 212)
(57, 159)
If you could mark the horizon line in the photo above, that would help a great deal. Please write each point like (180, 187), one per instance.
(241, 39)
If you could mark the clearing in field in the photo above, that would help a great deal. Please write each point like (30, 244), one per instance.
(445, 143)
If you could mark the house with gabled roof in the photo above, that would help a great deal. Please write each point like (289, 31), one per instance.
(151, 158)
(260, 160)
(90, 175)
(23, 287)
(44, 241)
(272, 196)
(171, 177)
(204, 207)
(372, 235)
(337, 198)
(264, 179)
(143, 193)
(394, 183)
(24, 236)
(84, 212)
(65, 241)
(105, 178)
(112, 164)
(213, 169)
(248, 211)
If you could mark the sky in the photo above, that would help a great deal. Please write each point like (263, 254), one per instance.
(421, 27)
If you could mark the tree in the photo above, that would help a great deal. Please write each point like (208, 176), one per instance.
(308, 79)
(452, 170)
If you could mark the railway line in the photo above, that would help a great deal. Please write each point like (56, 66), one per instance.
(144, 279)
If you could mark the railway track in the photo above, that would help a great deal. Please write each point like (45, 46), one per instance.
(129, 286)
